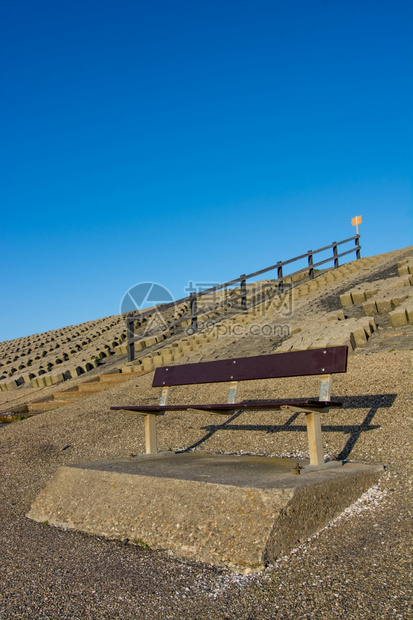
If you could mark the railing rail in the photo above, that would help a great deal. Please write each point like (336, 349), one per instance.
(191, 301)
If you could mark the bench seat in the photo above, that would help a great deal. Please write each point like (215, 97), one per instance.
(323, 362)
(224, 407)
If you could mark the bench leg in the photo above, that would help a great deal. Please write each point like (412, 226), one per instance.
(315, 440)
(151, 443)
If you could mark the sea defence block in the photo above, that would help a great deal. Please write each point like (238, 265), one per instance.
(398, 318)
(238, 511)
(346, 299)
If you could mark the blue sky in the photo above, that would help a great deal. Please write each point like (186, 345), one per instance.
(176, 141)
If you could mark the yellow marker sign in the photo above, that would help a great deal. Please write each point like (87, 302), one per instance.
(355, 221)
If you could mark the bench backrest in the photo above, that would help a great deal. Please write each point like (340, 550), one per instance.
(323, 361)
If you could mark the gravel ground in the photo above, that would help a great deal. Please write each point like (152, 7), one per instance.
(359, 567)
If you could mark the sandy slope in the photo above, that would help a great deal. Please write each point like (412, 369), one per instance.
(358, 567)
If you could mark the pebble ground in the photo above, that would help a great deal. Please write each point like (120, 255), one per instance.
(359, 567)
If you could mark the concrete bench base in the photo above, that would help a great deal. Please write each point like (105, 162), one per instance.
(237, 511)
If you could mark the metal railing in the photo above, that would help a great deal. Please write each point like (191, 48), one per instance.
(189, 304)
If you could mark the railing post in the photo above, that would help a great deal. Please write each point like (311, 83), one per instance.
(194, 319)
(335, 255)
(310, 265)
(243, 292)
(357, 240)
(280, 275)
(130, 332)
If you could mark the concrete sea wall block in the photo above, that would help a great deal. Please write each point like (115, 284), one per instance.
(369, 308)
(346, 299)
(397, 301)
(357, 297)
(383, 306)
(121, 349)
(398, 318)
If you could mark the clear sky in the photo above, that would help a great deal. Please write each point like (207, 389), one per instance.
(170, 141)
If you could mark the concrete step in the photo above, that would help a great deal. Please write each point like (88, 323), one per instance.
(92, 386)
(46, 406)
(73, 396)
(106, 381)
(8, 418)
(129, 372)
(117, 377)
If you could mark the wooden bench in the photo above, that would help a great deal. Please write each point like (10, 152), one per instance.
(324, 362)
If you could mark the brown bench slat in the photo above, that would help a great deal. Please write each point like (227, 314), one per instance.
(293, 364)
(262, 404)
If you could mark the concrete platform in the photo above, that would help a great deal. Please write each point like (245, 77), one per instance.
(239, 511)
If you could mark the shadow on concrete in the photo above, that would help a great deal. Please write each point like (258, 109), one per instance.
(371, 401)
